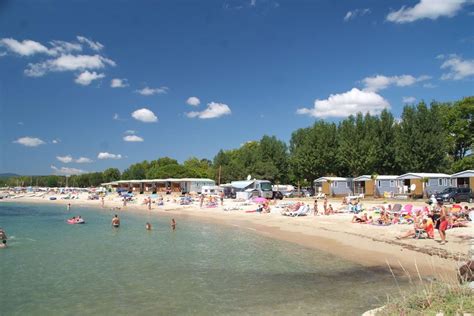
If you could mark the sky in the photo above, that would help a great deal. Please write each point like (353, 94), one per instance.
(87, 85)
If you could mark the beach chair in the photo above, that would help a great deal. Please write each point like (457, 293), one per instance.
(302, 211)
(407, 209)
(396, 208)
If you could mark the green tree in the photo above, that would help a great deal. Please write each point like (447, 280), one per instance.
(111, 174)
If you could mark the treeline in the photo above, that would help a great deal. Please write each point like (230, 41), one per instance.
(434, 138)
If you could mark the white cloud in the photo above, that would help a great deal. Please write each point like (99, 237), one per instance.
(68, 62)
(347, 103)
(429, 85)
(66, 171)
(116, 117)
(29, 141)
(380, 82)
(93, 45)
(355, 13)
(213, 110)
(24, 48)
(427, 9)
(194, 101)
(87, 77)
(62, 47)
(118, 83)
(144, 115)
(130, 132)
(83, 160)
(69, 159)
(133, 138)
(409, 100)
(56, 141)
(457, 68)
(106, 155)
(64, 159)
(151, 91)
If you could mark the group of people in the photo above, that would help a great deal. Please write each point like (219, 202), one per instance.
(116, 223)
(424, 220)
(327, 209)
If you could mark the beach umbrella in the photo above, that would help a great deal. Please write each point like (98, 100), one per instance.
(260, 200)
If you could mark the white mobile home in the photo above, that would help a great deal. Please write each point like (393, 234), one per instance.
(464, 179)
(333, 186)
(383, 184)
(412, 183)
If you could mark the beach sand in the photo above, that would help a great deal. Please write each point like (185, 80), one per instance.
(368, 245)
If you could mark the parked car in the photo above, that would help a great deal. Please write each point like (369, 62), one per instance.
(455, 195)
(277, 195)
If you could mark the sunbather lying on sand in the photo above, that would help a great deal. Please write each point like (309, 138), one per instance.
(362, 219)
(425, 227)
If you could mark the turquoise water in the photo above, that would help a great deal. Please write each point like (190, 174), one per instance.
(52, 268)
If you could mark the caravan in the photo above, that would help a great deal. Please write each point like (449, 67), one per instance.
(252, 188)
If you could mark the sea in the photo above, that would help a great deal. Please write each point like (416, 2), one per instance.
(201, 268)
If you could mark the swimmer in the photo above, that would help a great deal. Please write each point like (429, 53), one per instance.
(116, 221)
(3, 238)
(69, 206)
(148, 226)
(173, 224)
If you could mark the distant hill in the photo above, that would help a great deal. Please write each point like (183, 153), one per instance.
(8, 175)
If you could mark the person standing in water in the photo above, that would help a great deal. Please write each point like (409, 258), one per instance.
(69, 206)
(102, 202)
(148, 226)
(116, 221)
(173, 224)
(3, 238)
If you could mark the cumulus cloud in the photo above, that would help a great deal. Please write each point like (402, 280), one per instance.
(62, 47)
(118, 83)
(64, 159)
(457, 68)
(355, 13)
(86, 77)
(83, 160)
(106, 155)
(144, 115)
(69, 159)
(29, 141)
(347, 103)
(66, 171)
(93, 45)
(380, 82)
(409, 100)
(24, 48)
(194, 101)
(68, 62)
(427, 9)
(152, 91)
(133, 138)
(213, 110)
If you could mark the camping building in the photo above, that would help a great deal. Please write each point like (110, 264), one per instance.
(413, 184)
(185, 185)
(464, 179)
(333, 186)
(383, 185)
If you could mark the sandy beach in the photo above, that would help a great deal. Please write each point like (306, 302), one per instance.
(369, 245)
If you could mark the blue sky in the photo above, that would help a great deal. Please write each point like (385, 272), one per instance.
(250, 67)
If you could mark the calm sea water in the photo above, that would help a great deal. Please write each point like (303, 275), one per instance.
(52, 268)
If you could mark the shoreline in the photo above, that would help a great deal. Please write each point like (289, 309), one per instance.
(369, 246)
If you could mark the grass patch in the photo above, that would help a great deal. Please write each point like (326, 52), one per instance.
(431, 299)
